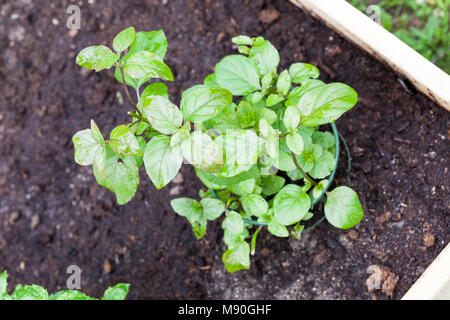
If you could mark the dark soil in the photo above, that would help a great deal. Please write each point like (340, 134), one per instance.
(53, 214)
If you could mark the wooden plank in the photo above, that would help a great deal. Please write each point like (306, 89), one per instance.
(434, 284)
(370, 36)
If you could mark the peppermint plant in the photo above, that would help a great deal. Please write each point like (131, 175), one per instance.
(35, 292)
(252, 134)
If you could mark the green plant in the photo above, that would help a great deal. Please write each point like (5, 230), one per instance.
(263, 158)
(34, 292)
(424, 25)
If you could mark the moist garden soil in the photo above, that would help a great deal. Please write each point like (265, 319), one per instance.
(53, 213)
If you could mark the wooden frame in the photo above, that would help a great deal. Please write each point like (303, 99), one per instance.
(434, 283)
(373, 38)
(355, 26)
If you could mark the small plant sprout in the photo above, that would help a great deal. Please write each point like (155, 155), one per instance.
(34, 292)
(251, 133)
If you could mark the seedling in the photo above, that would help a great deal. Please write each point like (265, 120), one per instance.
(34, 292)
(261, 156)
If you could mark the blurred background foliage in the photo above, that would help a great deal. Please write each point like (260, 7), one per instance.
(422, 24)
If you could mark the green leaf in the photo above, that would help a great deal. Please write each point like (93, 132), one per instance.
(186, 207)
(273, 99)
(297, 231)
(285, 162)
(271, 184)
(310, 156)
(162, 114)
(180, 136)
(89, 146)
(246, 114)
(97, 58)
(201, 102)
(155, 89)
(244, 187)
(32, 292)
(146, 65)
(233, 223)
(204, 178)
(308, 215)
(257, 96)
(202, 152)
(69, 295)
(266, 80)
(277, 229)
(258, 41)
(228, 181)
(121, 177)
(161, 164)
(142, 145)
(123, 141)
(270, 138)
(325, 104)
(303, 71)
(255, 205)
(291, 118)
(196, 215)
(227, 119)
(243, 40)
(306, 133)
(343, 208)
(212, 208)
(318, 188)
(124, 39)
(3, 283)
(238, 74)
(199, 227)
(118, 292)
(135, 83)
(241, 146)
(295, 142)
(284, 83)
(324, 139)
(244, 50)
(154, 41)
(290, 204)
(210, 81)
(295, 174)
(269, 115)
(298, 92)
(265, 55)
(237, 258)
(233, 240)
(323, 165)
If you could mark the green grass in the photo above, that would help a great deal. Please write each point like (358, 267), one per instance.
(422, 24)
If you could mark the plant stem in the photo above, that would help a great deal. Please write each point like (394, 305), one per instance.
(138, 116)
(139, 97)
(314, 225)
(253, 245)
(229, 202)
(126, 88)
(301, 170)
(132, 124)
